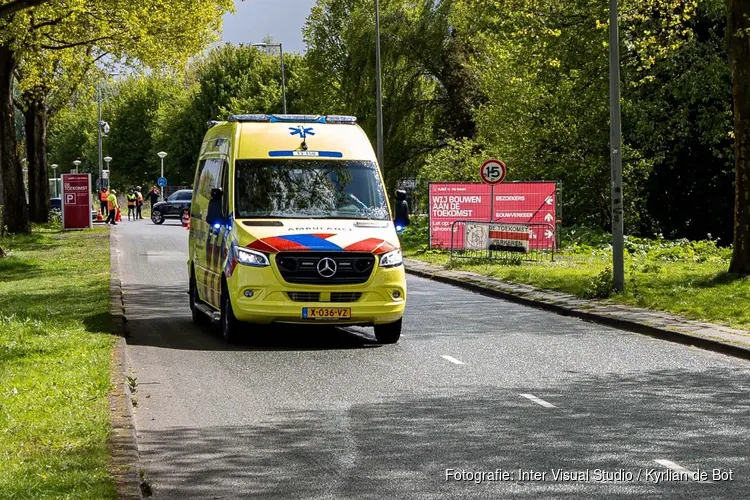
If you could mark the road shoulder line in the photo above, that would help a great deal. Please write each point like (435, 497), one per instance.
(653, 323)
(125, 466)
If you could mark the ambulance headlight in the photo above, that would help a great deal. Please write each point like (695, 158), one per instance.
(252, 258)
(392, 259)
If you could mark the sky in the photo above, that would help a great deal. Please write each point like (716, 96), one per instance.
(254, 19)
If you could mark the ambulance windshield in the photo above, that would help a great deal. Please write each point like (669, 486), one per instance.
(318, 189)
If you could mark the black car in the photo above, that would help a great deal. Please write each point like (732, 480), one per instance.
(177, 204)
(56, 206)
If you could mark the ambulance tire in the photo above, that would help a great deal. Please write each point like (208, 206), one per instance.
(157, 218)
(199, 318)
(230, 326)
(388, 333)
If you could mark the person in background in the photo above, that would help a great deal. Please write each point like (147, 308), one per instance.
(401, 209)
(153, 196)
(112, 206)
(104, 202)
(139, 203)
(132, 200)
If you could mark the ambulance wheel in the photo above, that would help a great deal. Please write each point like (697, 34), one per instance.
(230, 326)
(388, 333)
(199, 318)
(157, 218)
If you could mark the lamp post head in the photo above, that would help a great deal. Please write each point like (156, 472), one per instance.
(76, 163)
(161, 154)
(107, 159)
(54, 165)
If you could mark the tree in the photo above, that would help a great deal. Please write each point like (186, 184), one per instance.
(428, 89)
(738, 24)
(144, 32)
(47, 80)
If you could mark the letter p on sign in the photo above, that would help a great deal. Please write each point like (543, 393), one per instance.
(493, 172)
(70, 198)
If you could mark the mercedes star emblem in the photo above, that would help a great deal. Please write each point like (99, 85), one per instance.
(326, 267)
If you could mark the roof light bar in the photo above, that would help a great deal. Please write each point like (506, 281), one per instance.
(341, 119)
(249, 118)
(350, 120)
(298, 118)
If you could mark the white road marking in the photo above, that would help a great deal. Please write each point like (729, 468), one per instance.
(680, 469)
(452, 359)
(538, 401)
(671, 465)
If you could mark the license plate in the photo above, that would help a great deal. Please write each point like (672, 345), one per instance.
(326, 313)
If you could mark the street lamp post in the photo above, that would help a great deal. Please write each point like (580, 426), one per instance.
(378, 88)
(109, 171)
(615, 138)
(283, 78)
(161, 154)
(76, 163)
(101, 125)
(54, 174)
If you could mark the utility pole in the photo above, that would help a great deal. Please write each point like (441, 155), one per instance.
(378, 87)
(99, 129)
(615, 138)
(283, 77)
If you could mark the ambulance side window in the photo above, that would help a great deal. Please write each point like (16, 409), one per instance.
(198, 175)
(209, 177)
(225, 189)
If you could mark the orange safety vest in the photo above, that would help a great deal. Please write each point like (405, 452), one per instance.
(104, 196)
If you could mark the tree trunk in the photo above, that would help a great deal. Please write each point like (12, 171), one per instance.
(36, 153)
(738, 24)
(15, 211)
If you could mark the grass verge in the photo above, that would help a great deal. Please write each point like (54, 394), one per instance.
(55, 342)
(686, 278)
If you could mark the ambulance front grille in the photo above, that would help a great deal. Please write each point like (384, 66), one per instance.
(304, 296)
(345, 296)
(302, 267)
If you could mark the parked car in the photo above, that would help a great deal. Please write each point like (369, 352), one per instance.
(177, 204)
(56, 206)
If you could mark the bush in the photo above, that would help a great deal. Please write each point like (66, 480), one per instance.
(600, 286)
(416, 236)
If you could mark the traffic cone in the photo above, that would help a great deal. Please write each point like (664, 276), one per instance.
(99, 217)
(118, 217)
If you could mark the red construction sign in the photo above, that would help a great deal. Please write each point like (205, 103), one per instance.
(450, 202)
(76, 201)
(533, 203)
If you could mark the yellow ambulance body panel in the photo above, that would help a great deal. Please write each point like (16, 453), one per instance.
(290, 223)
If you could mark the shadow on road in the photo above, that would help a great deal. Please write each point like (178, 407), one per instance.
(401, 448)
(159, 316)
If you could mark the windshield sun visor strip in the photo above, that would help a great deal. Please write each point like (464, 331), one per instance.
(320, 154)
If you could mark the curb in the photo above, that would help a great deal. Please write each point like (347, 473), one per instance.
(615, 322)
(123, 444)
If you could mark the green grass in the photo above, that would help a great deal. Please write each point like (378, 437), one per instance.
(686, 278)
(55, 343)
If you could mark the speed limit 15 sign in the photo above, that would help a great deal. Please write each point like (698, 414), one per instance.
(493, 171)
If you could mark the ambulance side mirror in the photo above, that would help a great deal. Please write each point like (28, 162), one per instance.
(214, 215)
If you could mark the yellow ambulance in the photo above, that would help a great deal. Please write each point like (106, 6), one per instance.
(290, 223)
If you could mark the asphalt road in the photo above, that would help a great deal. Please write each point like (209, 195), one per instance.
(476, 384)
